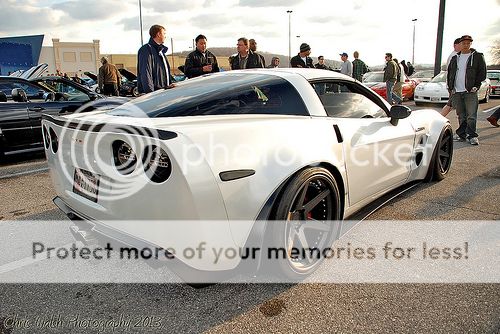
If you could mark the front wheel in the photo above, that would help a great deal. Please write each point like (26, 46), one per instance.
(307, 222)
(441, 158)
(486, 97)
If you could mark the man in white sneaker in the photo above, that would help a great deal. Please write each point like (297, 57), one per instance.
(465, 72)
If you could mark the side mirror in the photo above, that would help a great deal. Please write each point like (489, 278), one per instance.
(398, 112)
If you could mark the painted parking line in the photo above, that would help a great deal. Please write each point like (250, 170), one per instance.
(27, 261)
(34, 171)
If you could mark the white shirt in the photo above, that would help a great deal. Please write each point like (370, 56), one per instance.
(162, 55)
(461, 69)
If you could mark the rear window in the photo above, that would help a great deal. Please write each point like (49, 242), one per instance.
(231, 93)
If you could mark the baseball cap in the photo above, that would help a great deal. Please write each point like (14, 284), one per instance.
(466, 38)
(344, 54)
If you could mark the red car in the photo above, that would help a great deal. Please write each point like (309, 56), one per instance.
(375, 80)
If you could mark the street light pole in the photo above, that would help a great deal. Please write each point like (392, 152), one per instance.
(413, 54)
(289, 35)
(140, 19)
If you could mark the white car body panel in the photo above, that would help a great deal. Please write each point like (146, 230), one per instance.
(196, 194)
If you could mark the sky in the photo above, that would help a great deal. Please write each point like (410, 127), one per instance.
(371, 27)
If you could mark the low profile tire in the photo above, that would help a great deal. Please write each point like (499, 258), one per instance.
(135, 92)
(307, 218)
(441, 157)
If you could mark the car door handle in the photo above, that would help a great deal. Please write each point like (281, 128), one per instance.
(37, 109)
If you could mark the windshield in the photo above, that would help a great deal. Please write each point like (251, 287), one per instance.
(423, 74)
(229, 93)
(441, 77)
(493, 76)
(373, 77)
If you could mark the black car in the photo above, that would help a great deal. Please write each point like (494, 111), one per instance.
(128, 85)
(22, 103)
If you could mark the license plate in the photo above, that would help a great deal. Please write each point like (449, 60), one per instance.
(86, 184)
(435, 99)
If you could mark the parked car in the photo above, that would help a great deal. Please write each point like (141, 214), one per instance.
(494, 76)
(422, 76)
(436, 91)
(375, 80)
(129, 83)
(300, 146)
(24, 100)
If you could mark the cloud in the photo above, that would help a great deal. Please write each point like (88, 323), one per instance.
(14, 16)
(169, 6)
(91, 10)
(266, 3)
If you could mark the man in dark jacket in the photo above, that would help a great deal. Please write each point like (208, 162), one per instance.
(245, 58)
(302, 59)
(153, 70)
(252, 43)
(466, 71)
(200, 61)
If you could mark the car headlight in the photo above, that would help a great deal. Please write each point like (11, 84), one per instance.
(157, 165)
(420, 87)
(124, 157)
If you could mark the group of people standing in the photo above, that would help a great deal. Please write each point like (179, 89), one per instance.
(466, 69)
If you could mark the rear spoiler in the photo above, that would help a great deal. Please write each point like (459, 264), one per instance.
(114, 128)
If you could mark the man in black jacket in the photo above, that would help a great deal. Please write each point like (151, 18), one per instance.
(245, 58)
(466, 71)
(302, 59)
(200, 61)
(153, 70)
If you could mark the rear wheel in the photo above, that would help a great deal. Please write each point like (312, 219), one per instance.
(441, 158)
(308, 213)
(135, 92)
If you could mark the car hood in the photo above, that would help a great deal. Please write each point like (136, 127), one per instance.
(127, 74)
(433, 86)
(374, 84)
(91, 75)
(34, 72)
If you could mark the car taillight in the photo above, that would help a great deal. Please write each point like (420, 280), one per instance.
(157, 165)
(124, 157)
(53, 140)
(46, 137)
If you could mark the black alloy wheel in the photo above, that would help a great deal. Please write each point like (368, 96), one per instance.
(308, 212)
(443, 154)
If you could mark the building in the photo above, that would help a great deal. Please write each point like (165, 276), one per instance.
(73, 58)
(19, 53)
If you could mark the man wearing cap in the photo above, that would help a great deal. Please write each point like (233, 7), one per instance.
(302, 59)
(466, 71)
(346, 67)
(109, 78)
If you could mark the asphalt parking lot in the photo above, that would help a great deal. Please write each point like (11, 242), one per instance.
(470, 192)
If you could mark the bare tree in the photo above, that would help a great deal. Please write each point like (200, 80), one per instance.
(495, 52)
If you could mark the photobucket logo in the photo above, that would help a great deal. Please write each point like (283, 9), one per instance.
(107, 157)
(217, 151)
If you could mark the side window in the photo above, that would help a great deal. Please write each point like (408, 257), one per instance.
(71, 93)
(278, 97)
(346, 100)
(32, 91)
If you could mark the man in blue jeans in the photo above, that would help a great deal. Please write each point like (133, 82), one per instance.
(465, 72)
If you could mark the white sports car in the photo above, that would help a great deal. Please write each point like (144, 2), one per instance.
(435, 91)
(240, 149)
